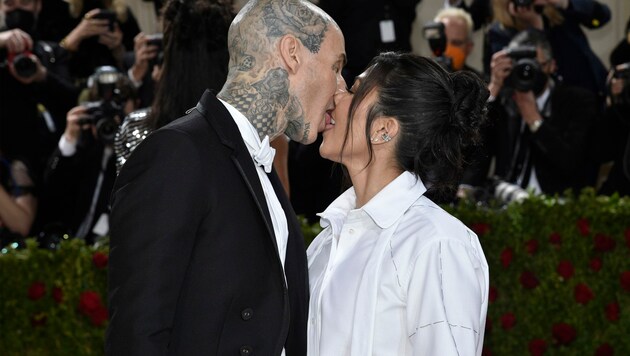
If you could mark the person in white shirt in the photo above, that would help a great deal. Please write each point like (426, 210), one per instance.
(392, 273)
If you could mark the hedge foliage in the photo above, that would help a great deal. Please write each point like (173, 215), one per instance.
(559, 282)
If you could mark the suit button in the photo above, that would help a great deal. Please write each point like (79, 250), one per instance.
(247, 314)
(247, 351)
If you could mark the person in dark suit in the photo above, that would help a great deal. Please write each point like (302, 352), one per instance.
(539, 137)
(206, 254)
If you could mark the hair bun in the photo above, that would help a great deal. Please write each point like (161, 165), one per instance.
(469, 109)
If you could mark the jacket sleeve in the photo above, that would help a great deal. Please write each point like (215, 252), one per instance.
(156, 208)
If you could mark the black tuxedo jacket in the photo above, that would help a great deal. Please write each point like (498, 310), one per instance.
(194, 266)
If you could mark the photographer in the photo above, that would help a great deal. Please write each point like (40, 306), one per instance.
(541, 129)
(103, 31)
(81, 171)
(32, 72)
(454, 43)
(562, 22)
(142, 63)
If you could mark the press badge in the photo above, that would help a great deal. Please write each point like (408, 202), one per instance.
(388, 34)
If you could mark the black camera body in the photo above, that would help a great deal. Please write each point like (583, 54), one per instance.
(157, 40)
(105, 116)
(435, 34)
(526, 71)
(108, 15)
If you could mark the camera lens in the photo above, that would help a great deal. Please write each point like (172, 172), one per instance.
(106, 129)
(24, 66)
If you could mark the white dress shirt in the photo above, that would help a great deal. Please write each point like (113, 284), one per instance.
(399, 276)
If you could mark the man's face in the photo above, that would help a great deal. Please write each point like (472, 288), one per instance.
(459, 44)
(317, 84)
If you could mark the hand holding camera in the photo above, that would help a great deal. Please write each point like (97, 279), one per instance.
(23, 65)
(75, 123)
(96, 22)
(146, 50)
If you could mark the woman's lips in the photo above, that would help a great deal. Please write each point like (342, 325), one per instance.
(330, 122)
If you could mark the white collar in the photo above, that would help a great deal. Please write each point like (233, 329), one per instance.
(385, 208)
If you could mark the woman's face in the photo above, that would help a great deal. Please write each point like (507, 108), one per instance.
(355, 151)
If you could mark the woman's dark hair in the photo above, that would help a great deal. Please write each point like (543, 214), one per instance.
(439, 114)
(195, 55)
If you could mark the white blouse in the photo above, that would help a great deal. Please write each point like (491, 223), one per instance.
(399, 276)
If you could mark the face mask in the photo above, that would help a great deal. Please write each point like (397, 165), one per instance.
(21, 19)
(457, 55)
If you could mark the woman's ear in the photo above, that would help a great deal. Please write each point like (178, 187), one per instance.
(290, 53)
(384, 129)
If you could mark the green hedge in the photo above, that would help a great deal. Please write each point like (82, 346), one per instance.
(559, 275)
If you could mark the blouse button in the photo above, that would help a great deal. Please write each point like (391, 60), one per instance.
(351, 231)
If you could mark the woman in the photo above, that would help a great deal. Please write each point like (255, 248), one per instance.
(562, 21)
(392, 273)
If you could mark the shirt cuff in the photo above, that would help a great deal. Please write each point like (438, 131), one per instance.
(135, 83)
(66, 147)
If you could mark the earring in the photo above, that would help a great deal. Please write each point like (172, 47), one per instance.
(386, 137)
(374, 139)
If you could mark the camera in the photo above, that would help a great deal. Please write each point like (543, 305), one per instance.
(108, 15)
(106, 112)
(622, 72)
(435, 35)
(24, 65)
(102, 114)
(526, 71)
(157, 40)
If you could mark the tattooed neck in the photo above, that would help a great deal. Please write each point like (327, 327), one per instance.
(263, 102)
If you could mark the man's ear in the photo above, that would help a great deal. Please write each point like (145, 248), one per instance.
(290, 53)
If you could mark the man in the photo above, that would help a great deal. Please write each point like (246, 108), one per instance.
(81, 171)
(458, 28)
(36, 90)
(206, 253)
(541, 135)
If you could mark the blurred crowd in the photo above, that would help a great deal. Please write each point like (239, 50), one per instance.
(82, 86)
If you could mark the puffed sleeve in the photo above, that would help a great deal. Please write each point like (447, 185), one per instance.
(447, 299)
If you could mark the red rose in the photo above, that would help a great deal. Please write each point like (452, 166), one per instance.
(480, 228)
(583, 226)
(604, 243)
(100, 260)
(595, 264)
(508, 320)
(612, 311)
(604, 350)
(57, 295)
(38, 320)
(529, 280)
(36, 291)
(555, 239)
(506, 257)
(493, 294)
(537, 347)
(98, 316)
(89, 301)
(583, 294)
(565, 269)
(563, 333)
(531, 246)
(625, 280)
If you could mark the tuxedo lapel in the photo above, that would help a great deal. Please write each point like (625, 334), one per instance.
(220, 119)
